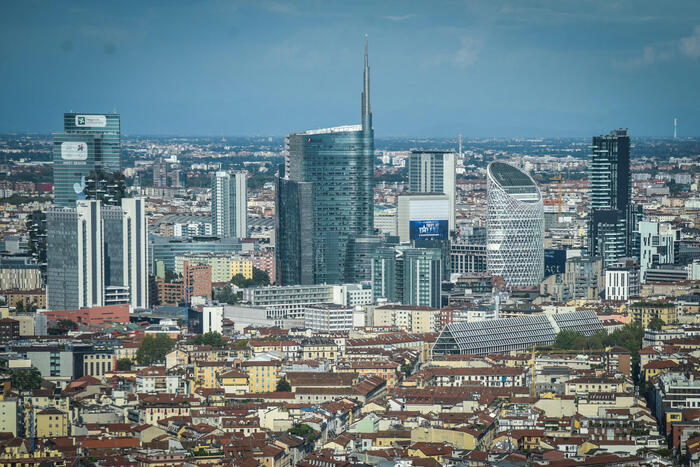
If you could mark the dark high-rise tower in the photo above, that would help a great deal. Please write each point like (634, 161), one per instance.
(611, 222)
(338, 163)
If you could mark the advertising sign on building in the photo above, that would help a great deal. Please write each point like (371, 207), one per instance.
(74, 151)
(91, 121)
(428, 230)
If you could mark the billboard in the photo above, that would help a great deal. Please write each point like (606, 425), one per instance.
(91, 121)
(428, 230)
(74, 151)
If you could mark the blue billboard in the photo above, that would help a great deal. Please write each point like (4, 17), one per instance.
(428, 230)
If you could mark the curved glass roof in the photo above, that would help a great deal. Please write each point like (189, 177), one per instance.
(508, 176)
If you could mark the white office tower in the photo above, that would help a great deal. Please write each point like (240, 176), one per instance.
(135, 245)
(91, 283)
(433, 172)
(229, 205)
(515, 226)
(212, 319)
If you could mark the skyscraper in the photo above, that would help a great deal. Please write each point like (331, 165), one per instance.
(160, 173)
(338, 163)
(433, 172)
(407, 275)
(92, 248)
(135, 248)
(515, 226)
(89, 143)
(611, 221)
(75, 256)
(294, 225)
(229, 205)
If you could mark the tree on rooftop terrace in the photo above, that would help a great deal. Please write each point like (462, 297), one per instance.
(303, 431)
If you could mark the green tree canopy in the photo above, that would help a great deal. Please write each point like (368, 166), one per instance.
(656, 324)
(225, 294)
(154, 348)
(407, 368)
(123, 364)
(303, 431)
(25, 379)
(283, 385)
(210, 338)
(260, 278)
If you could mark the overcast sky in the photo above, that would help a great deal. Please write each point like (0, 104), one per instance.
(482, 68)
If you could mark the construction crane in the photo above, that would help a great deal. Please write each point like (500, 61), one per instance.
(533, 389)
(559, 199)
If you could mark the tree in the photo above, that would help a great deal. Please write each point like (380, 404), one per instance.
(123, 364)
(171, 276)
(19, 307)
(283, 386)
(154, 348)
(25, 379)
(303, 431)
(570, 340)
(260, 277)
(210, 338)
(656, 324)
(406, 369)
(225, 294)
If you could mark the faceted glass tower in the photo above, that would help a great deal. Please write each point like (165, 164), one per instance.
(611, 222)
(338, 163)
(515, 226)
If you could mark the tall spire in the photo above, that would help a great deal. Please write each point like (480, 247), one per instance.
(366, 109)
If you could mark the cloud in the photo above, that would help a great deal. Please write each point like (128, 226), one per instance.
(664, 51)
(690, 46)
(465, 56)
(398, 19)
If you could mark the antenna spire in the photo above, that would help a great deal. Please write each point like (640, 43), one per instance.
(366, 109)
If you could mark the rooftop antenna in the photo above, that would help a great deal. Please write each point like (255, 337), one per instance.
(675, 127)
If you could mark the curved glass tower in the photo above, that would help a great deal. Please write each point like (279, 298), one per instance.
(515, 228)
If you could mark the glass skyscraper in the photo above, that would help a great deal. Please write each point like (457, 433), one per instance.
(338, 163)
(611, 222)
(407, 275)
(515, 226)
(89, 143)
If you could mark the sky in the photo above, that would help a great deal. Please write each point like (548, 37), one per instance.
(493, 68)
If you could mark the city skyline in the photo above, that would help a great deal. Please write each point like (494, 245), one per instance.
(479, 68)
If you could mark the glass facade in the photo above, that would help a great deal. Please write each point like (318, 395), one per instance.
(612, 221)
(339, 164)
(515, 226)
(294, 232)
(89, 142)
(62, 259)
(411, 276)
(106, 128)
